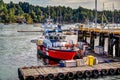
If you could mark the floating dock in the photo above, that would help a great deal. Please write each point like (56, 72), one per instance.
(39, 30)
(66, 73)
(29, 31)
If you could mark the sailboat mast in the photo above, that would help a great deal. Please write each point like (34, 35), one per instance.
(95, 13)
(57, 17)
(113, 14)
(49, 12)
(60, 15)
(103, 14)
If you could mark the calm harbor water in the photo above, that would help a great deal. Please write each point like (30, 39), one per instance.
(16, 51)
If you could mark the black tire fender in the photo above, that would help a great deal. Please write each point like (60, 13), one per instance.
(70, 75)
(30, 78)
(95, 73)
(19, 73)
(60, 76)
(79, 74)
(118, 70)
(87, 73)
(104, 72)
(112, 71)
(20, 76)
(50, 76)
(41, 77)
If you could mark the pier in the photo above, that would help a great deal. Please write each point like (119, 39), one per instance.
(113, 36)
(68, 73)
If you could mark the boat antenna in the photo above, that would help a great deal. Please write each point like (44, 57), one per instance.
(57, 17)
(95, 13)
(60, 15)
(103, 16)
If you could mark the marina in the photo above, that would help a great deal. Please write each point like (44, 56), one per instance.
(59, 42)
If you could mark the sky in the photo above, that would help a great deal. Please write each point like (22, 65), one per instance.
(89, 4)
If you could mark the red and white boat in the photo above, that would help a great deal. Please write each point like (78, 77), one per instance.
(57, 46)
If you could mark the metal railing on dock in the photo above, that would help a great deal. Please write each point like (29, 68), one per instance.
(66, 73)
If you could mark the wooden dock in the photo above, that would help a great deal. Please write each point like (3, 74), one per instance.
(47, 72)
(29, 31)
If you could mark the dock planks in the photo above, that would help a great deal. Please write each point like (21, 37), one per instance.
(36, 71)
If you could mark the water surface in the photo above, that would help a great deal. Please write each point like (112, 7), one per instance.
(16, 50)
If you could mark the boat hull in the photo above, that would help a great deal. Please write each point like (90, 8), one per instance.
(55, 55)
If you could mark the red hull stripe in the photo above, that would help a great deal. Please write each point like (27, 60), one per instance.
(61, 54)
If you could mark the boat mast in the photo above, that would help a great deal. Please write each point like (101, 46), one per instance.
(103, 15)
(113, 15)
(57, 17)
(95, 13)
(60, 15)
(49, 12)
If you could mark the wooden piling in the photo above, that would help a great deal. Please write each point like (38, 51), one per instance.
(92, 39)
(117, 46)
(80, 35)
(110, 44)
(101, 39)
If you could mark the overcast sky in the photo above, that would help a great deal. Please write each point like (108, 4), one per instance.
(73, 3)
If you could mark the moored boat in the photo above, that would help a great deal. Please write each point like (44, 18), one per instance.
(57, 46)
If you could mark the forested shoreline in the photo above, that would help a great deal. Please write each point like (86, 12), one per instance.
(23, 11)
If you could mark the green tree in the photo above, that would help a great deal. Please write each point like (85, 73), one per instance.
(33, 16)
(18, 11)
(2, 4)
(28, 18)
(12, 17)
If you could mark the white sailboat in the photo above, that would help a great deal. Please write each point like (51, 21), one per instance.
(49, 24)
